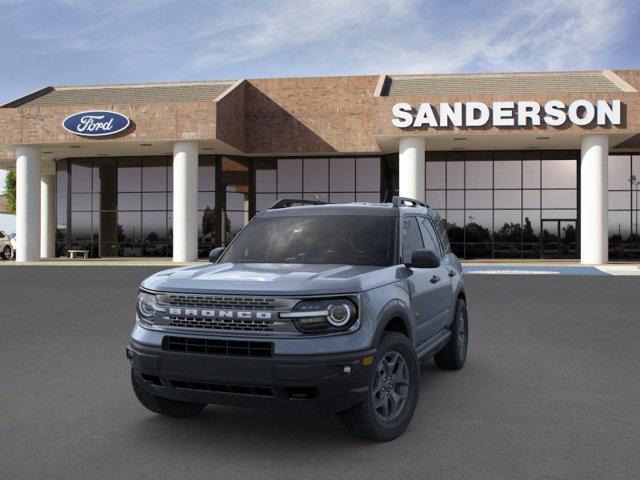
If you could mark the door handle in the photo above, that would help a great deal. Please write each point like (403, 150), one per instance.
(435, 279)
(452, 273)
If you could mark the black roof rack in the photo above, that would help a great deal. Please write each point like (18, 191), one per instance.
(401, 201)
(290, 202)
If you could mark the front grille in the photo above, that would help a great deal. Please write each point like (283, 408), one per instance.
(224, 388)
(221, 301)
(207, 346)
(222, 324)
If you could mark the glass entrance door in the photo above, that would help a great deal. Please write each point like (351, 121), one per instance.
(558, 238)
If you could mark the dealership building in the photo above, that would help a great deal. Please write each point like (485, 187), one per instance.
(521, 165)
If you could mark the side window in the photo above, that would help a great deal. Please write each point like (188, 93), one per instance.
(411, 238)
(430, 239)
(1, 235)
(441, 225)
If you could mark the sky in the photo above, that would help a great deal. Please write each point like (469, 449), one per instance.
(71, 42)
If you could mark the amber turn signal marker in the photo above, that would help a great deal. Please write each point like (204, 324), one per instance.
(367, 360)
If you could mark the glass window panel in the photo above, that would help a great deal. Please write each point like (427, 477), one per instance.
(170, 177)
(620, 200)
(81, 175)
(206, 178)
(531, 173)
(80, 230)
(316, 174)
(154, 201)
(264, 200)
(507, 174)
(479, 198)
(81, 202)
(507, 225)
(129, 201)
(367, 174)
(636, 166)
(478, 226)
(507, 199)
(620, 224)
(531, 198)
(559, 199)
(559, 173)
(154, 174)
(370, 197)
(478, 174)
(455, 225)
(437, 198)
(105, 177)
(237, 220)
(342, 197)
(206, 225)
(567, 214)
(266, 179)
(289, 175)
(435, 173)
(131, 228)
(237, 201)
(105, 201)
(154, 227)
(455, 174)
(619, 172)
(455, 198)
(342, 175)
(531, 225)
(205, 199)
(321, 196)
(129, 175)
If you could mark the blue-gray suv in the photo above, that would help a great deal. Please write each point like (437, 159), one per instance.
(318, 307)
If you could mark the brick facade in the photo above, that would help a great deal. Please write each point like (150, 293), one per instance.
(319, 115)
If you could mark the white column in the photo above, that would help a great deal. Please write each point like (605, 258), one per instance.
(594, 199)
(28, 204)
(48, 211)
(185, 201)
(411, 165)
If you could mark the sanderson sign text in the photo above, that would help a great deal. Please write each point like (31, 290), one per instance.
(554, 113)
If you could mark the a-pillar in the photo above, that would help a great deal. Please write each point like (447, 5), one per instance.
(594, 199)
(411, 167)
(185, 201)
(28, 203)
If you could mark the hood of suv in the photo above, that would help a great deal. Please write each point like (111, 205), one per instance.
(271, 279)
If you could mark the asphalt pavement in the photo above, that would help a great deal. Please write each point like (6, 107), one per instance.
(551, 390)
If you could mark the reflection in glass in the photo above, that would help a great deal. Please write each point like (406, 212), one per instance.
(478, 175)
(531, 174)
(437, 199)
(435, 173)
(81, 175)
(455, 174)
(559, 174)
(507, 199)
(316, 174)
(289, 175)
(342, 174)
(507, 174)
(559, 199)
(129, 174)
(154, 174)
(367, 175)
(619, 172)
(479, 198)
(455, 198)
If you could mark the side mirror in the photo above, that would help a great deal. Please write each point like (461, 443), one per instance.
(424, 259)
(215, 254)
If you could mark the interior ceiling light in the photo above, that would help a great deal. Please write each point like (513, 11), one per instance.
(74, 146)
(543, 138)
(146, 144)
(460, 138)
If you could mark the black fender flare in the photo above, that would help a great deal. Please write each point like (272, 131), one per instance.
(394, 309)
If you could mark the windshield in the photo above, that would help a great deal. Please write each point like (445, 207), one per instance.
(348, 239)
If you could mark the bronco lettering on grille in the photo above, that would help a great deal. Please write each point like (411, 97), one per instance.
(212, 313)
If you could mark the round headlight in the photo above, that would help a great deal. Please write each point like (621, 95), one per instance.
(339, 315)
(146, 305)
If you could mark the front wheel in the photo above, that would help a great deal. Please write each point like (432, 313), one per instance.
(392, 395)
(454, 354)
(6, 252)
(164, 406)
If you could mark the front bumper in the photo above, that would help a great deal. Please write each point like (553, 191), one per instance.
(321, 383)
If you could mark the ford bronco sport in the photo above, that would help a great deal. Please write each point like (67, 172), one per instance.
(320, 307)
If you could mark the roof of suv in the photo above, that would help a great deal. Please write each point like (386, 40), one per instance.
(355, 208)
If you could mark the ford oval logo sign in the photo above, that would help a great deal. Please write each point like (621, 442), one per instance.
(96, 123)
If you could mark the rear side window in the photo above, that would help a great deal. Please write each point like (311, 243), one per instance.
(411, 238)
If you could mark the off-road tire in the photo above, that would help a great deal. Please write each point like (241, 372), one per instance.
(363, 420)
(454, 354)
(164, 406)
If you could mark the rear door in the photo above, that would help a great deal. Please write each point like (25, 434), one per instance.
(423, 284)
